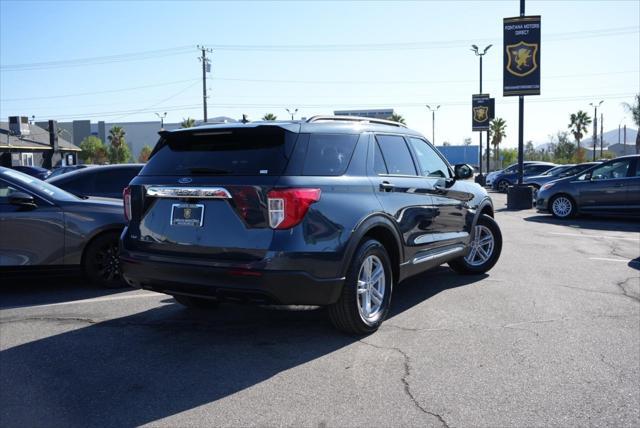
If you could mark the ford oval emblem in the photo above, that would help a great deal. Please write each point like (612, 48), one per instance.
(184, 180)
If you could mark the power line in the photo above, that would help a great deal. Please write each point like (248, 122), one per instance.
(180, 50)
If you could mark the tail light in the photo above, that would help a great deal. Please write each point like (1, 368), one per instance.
(287, 207)
(126, 197)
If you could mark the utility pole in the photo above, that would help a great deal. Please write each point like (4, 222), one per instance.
(601, 137)
(595, 126)
(625, 139)
(433, 123)
(206, 67)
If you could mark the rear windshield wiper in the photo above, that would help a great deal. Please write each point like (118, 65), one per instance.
(205, 170)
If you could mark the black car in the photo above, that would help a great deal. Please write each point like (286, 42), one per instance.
(329, 211)
(34, 171)
(107, 181)
(59, 170)
(43, 227)
(610, 188)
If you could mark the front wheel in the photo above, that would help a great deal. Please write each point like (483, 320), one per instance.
(366, 295)
(562, 207)
(503, 185)
(485, 248)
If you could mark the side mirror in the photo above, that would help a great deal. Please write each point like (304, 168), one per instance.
(22, 199)
(462, 171)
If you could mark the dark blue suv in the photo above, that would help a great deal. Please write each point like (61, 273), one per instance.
(330, 211)
(509, 177)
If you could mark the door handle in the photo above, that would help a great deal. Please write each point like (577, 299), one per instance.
(439, 188)
(385, 186)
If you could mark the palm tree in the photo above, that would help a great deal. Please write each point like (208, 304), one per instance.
(497, 129)
(116, 136)
(188, 123)
(635, 114)
(578, 126)
(269, 116)
(395, 117)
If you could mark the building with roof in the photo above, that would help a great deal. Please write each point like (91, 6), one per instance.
(384, 113)
(28, 144)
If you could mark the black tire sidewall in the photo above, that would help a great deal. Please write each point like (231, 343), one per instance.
(89, 265)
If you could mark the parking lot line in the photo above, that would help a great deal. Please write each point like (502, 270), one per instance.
(604, 259)
(579, 235)
(93, 300)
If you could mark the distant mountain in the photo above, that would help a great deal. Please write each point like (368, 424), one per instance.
(610, 137)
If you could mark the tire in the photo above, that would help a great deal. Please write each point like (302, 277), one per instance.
(482, 257)
(100, 261)
(562, 207)
(351, 313)
(503, 185)
(197, 302)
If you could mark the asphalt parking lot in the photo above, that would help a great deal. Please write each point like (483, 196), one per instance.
(550, 337)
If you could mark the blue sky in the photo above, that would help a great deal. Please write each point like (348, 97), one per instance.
(408, 54)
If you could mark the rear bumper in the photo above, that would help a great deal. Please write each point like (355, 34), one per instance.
(265, 286)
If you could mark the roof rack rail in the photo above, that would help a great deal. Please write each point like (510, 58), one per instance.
(325, 118)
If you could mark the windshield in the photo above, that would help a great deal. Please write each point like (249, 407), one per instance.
(556, 170)
(39, 187)
(574, 170)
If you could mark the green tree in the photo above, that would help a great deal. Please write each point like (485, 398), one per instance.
(564, 150)
(446, 143)
(497, 129)
(93, 150)
(118, 151)
(143, 157)
(578, 123)
(529, 151)
(634, 109)
(510, 156)
(395, 117)
(269, 116)
(116, 136)
(188, 123)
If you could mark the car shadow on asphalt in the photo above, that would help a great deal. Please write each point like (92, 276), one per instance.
(154, 364)
(20, 290)
(613, 224)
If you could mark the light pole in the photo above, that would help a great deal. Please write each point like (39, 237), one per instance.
(433, 122)
(161, 117)
(476, 50)
(595, 126)
(291, 112)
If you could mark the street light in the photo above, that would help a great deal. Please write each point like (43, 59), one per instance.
(292, 112)
(433, 123)
(476, 50)
(161, 117)
(595, 126)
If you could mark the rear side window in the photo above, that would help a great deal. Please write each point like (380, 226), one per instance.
(263, 150)
(329, 154)
(396, 155)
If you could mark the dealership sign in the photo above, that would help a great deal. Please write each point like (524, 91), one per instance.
(521, 74)
(482, 111)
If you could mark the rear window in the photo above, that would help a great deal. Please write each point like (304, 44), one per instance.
(329, 154)
(263, 150)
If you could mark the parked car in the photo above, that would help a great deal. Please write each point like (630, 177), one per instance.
(45, 227)
(536, 181)
(508, 178)
(610, 188)
(107, 181)
(34, 171)
(330, 211)
(508, 170)
(64, 169)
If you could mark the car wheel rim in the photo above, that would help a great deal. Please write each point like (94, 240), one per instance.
(481, 246)
(371, 287)
(503, 186)
(561, 206)
(108, 263)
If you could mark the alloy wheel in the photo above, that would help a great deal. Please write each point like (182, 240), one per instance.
(108, 263)
(562, 206)
(371, 288)
(481, 246)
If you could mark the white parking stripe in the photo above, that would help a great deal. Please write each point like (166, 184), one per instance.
(613, 260)
(93, 300)
(579, 235)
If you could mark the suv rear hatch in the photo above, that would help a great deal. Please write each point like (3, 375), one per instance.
(203, 194)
